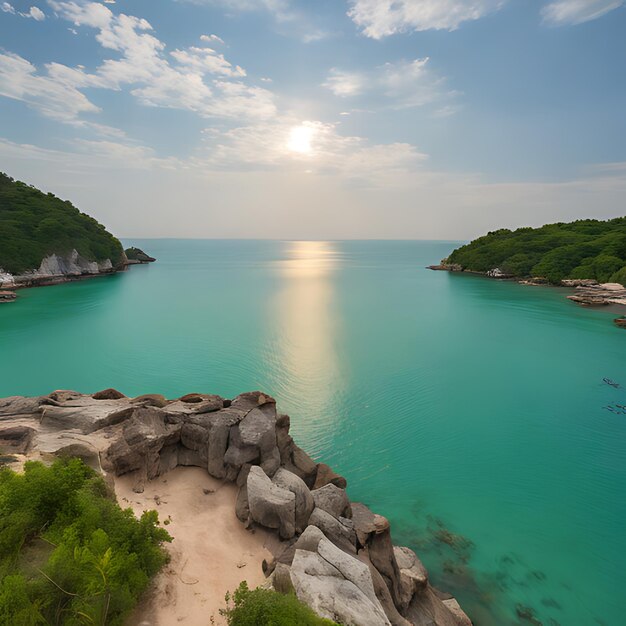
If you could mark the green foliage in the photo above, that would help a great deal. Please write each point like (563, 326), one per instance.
(581, 249)
(262, 607)
(34, 224)
(68, 553)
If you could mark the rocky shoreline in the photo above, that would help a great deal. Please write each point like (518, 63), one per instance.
(336, 555)
(58, 269)
(588, 292)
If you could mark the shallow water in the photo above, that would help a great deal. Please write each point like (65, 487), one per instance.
(470, 412)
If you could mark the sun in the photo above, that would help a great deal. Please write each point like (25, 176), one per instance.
(300, 138)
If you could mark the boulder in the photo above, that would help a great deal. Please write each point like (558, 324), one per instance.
(325, 475)
(323, 586)
(304, 500)
(83, 413)
(459, 615)
(151, 399)
(108, 394)
(242, 508)
(309, 539)
(271, 505)
(333, 500)
(413, 574)
(19, 406)
(338, 530)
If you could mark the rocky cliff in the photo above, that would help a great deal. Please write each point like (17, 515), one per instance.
(60, 268)
(336, 555)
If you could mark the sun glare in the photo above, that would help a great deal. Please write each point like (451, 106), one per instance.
(300, 139)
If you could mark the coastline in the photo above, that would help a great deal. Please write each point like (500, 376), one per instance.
(58, 270)
(583, 292)
(337, 556)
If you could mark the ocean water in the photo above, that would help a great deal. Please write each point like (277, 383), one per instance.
(472, 413)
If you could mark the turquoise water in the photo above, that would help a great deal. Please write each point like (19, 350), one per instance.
(468, 411)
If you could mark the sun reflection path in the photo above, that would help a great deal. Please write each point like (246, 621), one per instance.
(307, 329)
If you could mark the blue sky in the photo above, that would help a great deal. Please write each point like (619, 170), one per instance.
(326, 119)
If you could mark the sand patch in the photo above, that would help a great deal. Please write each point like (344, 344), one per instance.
(211, 553)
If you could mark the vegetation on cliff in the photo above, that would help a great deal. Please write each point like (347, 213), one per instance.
(581, 249)
(34, 224)
(68, 553)
(260, 607)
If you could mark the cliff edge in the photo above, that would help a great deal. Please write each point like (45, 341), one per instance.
(337, 556)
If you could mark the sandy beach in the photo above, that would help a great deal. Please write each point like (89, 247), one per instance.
(211, 552)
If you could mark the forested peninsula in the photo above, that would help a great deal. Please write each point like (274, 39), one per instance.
(45, 240)
(584, 249)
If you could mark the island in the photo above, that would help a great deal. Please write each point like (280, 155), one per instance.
(47, 241)
(241, 500)
(587, 255)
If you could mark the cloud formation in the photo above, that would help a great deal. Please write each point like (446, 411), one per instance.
(569, 12)
(381, 18)
(400, 85)
(197, 79)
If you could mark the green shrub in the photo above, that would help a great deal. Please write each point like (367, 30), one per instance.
(262, 607)
(68, 553)
(34, 224)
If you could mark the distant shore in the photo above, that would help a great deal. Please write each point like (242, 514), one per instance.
(586, 292)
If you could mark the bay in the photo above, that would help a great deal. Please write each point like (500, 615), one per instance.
(470, 412)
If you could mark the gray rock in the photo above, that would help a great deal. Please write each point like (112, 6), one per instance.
(459, 615)
(309, 539)
(270, 461)
(412, 572)
(271, 505)
(258, 430)
(338, 530)
(325, 475)
(304, 500)
(333, 500)
(242, 508)
(322, 586)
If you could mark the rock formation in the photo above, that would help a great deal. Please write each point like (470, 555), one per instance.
(56, 268)
(337, 556)
(590, 293)
(135, 256)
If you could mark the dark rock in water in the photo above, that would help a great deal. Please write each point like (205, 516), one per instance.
(527, 614)
(620, 321)
(7, 296)
(136, 255)
(346, 569)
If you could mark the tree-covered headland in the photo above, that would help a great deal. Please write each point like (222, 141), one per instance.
(582, 249)
(34, 224)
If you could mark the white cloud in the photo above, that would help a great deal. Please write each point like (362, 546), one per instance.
(56, 99)
(207, 60)
(36, 13)
(211, 39)
(196, 79)
(400, 85)
(380, 18)
(267, 146)
(566, 12)
(344, 83)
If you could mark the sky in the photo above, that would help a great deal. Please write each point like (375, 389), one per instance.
(318, 119)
